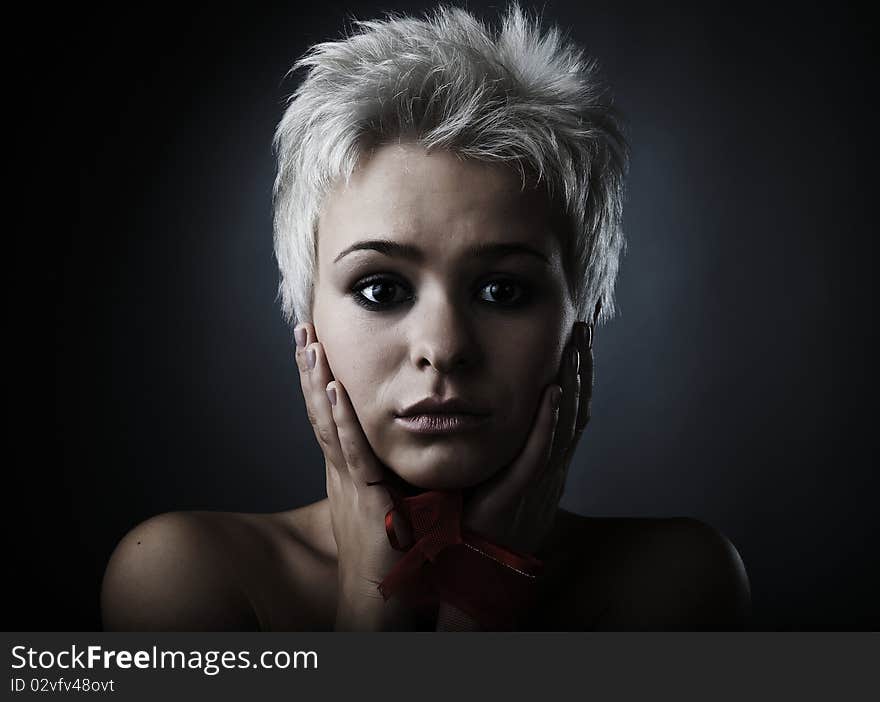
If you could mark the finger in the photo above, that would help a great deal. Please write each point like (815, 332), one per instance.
(304, 335)
(569, 408)
(363, 466)
(583, 340)
(314, 376)
(532, 460)
(587, 373)
(334, 482)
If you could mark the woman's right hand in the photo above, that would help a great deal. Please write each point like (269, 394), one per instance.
(357, 510)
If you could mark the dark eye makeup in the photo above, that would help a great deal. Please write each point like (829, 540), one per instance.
(382, 292)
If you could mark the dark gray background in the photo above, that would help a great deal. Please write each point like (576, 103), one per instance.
(734, 386)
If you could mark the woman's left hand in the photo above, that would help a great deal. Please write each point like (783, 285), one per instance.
(517, 507)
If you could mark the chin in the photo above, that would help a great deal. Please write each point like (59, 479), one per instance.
(423, 470)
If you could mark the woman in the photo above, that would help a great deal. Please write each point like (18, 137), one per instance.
(447, 225)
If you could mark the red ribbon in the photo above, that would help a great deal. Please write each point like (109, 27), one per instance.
(445, 563)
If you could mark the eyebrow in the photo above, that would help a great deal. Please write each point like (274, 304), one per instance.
(414, 253)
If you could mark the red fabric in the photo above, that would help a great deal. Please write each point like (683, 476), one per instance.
(448, 564)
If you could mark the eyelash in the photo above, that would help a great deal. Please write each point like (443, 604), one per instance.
(363, 301)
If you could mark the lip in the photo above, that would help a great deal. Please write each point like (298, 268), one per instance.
(442, 423)
(434, 405)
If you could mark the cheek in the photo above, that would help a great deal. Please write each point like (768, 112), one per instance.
(525, 365)
(366, 374)
(357, 354)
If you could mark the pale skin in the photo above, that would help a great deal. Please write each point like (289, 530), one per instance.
(465, 295)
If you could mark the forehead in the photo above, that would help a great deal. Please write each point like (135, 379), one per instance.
(437, 201)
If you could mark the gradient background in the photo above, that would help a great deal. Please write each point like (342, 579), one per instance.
(733, 387)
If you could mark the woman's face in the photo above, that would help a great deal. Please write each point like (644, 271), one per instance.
(437, 278)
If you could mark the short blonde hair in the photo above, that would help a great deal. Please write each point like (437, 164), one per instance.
(515, 95)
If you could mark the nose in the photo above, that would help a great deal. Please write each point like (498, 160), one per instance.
(442, 336)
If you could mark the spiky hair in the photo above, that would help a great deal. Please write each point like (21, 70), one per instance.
(514, 95)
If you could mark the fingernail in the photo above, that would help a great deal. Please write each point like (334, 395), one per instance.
(555, 397)
(310, 358)
(574, 359)
(331, 395)
(300, 335)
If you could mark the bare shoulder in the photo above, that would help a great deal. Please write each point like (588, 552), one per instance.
(656, 574)
(173, 572)
(202, 571)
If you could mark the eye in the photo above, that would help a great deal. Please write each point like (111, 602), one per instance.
(503, 292)
(379, 292)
